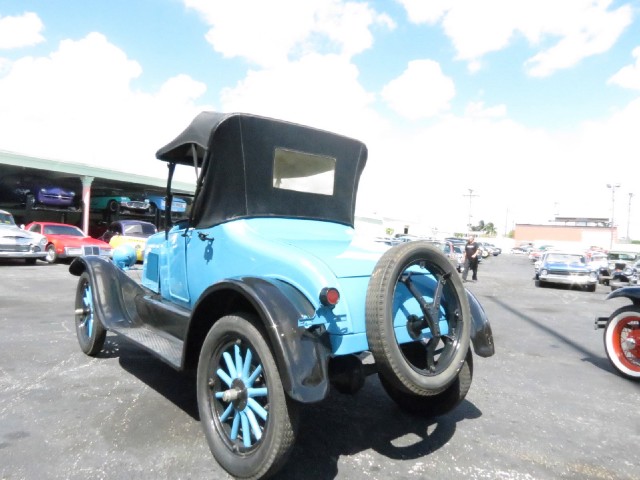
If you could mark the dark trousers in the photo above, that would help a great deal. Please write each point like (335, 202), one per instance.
(470, 264)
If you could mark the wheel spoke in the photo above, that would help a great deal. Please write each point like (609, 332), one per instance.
(254, 375)
(230, 366)
(224, 377)
(257, 392)
(253, 421)
(430, 355)
(246, 431)
(238, 363)
(256, 407)
(234, 427)
(247, 365)
(228, 411)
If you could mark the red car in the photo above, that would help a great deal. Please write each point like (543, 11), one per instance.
(68, 241)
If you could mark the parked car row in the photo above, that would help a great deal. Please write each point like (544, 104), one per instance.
(616, 269)
(52, 242)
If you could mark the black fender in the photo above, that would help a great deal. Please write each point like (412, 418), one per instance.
(632, 293)
(114, 293)
(302, 355)
(481, 333)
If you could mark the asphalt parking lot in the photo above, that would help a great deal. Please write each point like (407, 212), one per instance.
(547, 406)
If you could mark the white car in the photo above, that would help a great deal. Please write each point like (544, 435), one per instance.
(18, 243)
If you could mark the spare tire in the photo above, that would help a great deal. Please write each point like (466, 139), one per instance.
(418, 319)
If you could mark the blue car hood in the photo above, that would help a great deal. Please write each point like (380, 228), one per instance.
(567, 266)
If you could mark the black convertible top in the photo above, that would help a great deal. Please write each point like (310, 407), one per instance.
(246, 161)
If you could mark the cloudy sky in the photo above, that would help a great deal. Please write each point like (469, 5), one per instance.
(530, 106)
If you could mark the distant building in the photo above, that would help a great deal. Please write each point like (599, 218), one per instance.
(581, 231)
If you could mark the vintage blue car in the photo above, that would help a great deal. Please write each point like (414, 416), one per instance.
(269, 296)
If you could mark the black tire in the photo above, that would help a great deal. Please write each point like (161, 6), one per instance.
(269, 417)
(113, 206)
(30, 261)
(406, 354)
(89, 330)
(438, 404)
(591, 288)
(52, 255)
(622, 341)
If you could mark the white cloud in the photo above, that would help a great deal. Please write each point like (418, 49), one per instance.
(318, 90)
(271, 33)
(430, 12)
(563, 32)
(629, 75)
(20, 31)
(587, 30)
(478, 110)
(77, 104)
(422, 90)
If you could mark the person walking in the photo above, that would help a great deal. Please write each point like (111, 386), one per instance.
(471, 252)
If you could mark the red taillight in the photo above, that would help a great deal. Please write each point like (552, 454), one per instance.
(329, 296)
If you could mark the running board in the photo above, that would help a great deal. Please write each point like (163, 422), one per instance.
(167, 348)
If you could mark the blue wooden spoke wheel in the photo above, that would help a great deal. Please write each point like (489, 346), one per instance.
(248, 420)
(90, 332)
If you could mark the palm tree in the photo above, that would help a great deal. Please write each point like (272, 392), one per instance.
(490, 229)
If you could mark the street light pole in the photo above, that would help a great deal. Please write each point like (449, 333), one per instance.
(470, 195)
(629, 217)
(613, 187)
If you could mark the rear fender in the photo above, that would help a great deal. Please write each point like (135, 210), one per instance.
(114, 293)
(481, 333)
(302, 355)
(632, 293)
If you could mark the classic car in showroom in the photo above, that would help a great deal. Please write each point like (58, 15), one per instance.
(68, 241)
(565, 268)
(35, 190)
(158, 202)
(16, 242)
(129, 232)
(116, 203)
(267, 294)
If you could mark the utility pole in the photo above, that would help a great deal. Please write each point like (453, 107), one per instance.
(470, 195)
(613, 187)
(629, 217)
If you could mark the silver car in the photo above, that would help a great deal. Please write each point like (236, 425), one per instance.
(18, 243)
